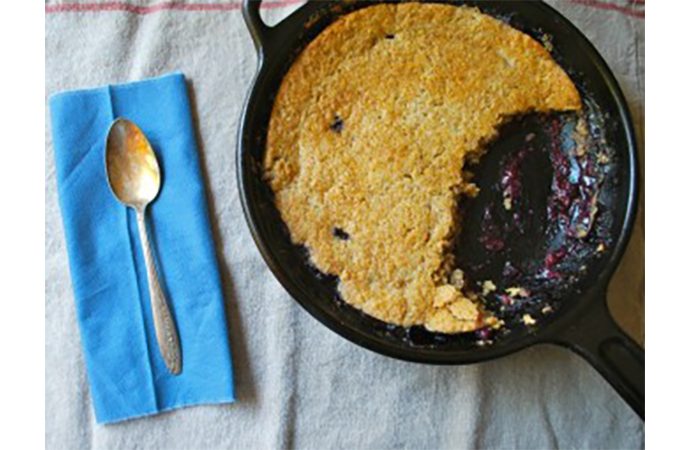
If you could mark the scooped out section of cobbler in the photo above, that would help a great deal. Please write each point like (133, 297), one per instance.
(367, 141)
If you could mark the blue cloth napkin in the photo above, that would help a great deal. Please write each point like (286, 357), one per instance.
(127, 375)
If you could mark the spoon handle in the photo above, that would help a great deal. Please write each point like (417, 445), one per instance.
(163, 322)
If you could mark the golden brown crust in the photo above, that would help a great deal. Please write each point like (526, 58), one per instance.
(417, 88)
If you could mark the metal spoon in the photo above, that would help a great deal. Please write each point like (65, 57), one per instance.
(134, 179)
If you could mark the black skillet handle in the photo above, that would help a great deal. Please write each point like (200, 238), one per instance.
(257, 28)
(619, 359)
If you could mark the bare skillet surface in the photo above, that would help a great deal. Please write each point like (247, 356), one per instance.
(579, 318)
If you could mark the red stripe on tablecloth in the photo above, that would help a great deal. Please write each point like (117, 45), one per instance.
(630, 11)
(163, 6)
(180, 6)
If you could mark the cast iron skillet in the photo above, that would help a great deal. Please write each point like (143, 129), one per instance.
(581, 320)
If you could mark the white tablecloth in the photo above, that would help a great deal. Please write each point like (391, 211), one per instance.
(298, 384)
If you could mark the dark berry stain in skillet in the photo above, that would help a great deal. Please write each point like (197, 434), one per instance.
(337, 124)
(341, 234)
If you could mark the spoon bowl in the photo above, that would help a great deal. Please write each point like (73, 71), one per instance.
(132, 167)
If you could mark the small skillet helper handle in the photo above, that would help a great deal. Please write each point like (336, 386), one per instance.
(619, 359)
(257, 28)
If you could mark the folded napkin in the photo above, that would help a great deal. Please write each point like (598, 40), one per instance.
(126, 372)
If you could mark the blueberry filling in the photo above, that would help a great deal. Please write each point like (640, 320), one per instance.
(541, 219)
(337, 124)
(491, 237)
(390, 36)
(341, 234)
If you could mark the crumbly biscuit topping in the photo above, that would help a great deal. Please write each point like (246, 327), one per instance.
(368, 137)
